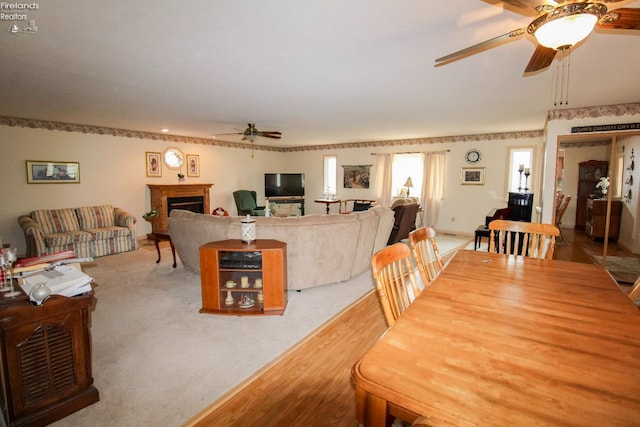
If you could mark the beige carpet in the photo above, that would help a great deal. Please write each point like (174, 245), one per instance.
(157, 361)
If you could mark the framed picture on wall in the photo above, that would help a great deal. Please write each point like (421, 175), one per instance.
(52, 172)
(193, 165)
(154, 164)
(472, 176)
(356, 176)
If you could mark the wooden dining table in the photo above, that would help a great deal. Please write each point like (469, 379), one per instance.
(499, 340)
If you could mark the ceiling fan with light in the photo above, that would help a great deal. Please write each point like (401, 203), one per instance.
(558, 26)
(251, 133)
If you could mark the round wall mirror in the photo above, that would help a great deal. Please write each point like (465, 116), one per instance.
(173, 158)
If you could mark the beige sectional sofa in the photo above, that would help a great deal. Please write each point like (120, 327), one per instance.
(90, 231)
(321, 249)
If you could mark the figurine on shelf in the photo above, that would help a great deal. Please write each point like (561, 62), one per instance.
(246, 301)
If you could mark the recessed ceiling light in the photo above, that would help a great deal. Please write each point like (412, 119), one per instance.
(165, 130)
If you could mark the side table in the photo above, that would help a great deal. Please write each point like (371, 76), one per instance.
(163, 236)
(327, 203)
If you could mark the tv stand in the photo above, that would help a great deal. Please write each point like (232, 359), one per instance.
(285, 200)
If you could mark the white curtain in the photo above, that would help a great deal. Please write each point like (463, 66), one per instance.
(432, 186)
(383, 179)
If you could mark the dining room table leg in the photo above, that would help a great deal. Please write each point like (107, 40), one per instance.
(372, 411)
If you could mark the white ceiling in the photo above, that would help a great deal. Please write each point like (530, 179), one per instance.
(321, 72)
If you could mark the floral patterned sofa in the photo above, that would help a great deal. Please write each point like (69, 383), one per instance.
(90, 231)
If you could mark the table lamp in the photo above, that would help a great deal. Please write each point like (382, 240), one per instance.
(408, 184)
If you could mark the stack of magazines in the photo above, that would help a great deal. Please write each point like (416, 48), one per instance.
(65, 280)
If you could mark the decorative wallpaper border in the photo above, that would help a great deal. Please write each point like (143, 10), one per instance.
(593, 112)
(566, 114)
(420, 141)
(100, 130)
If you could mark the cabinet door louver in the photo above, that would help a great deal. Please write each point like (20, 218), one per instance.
(46, 363)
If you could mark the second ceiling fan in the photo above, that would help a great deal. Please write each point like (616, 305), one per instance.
(251, 133)
(558, 26)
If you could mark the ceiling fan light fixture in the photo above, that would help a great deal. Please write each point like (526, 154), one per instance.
(566, 25)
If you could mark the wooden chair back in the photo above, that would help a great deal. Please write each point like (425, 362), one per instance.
(425, 253)
(519, 238)
(395, 280)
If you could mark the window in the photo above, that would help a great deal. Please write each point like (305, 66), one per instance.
(330, 163)
(618, 179)
(407, 166)
(520, 158)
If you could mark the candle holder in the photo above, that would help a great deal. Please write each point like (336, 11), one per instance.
(248, 230)
(520, 181)
(9, 257)
(526, 180)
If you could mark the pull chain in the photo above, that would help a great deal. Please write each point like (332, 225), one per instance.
(561, 78)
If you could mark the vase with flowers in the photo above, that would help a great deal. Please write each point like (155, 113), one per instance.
(603, 185)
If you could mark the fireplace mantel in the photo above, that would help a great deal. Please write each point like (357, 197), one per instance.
(160, 194)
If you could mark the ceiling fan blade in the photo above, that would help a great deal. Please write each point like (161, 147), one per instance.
(480, 47)
(274, 135)
(232, 133)
(542, 57)
(625, 18)
(528, 7)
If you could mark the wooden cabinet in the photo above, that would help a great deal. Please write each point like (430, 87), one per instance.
(242, 279)
(589, 173)
(46, 359)
(597, 218)
(520, 206)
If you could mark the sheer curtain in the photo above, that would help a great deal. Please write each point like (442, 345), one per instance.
(432, 186)
(383, 178)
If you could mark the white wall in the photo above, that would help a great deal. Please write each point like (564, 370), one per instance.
(630, 218)
(464, 206)
(113, 170)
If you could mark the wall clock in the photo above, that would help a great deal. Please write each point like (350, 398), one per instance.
(472, 156)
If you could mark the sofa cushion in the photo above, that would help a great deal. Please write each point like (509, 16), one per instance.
(108, 232)
(90, 217)
(66, 239)
(56, 220)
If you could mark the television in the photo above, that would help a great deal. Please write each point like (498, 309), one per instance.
(283, 185)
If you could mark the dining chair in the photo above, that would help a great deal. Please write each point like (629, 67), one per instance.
(520, 238)
(425, 253)
(634, 292)
(395, 280)
(560, 209)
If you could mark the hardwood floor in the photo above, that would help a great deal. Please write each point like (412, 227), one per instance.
(579, 244)
(311, 385)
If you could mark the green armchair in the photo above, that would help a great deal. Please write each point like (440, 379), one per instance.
(247, 204)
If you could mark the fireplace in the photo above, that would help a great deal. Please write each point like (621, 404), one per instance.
(188, 203)
(165, 198)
